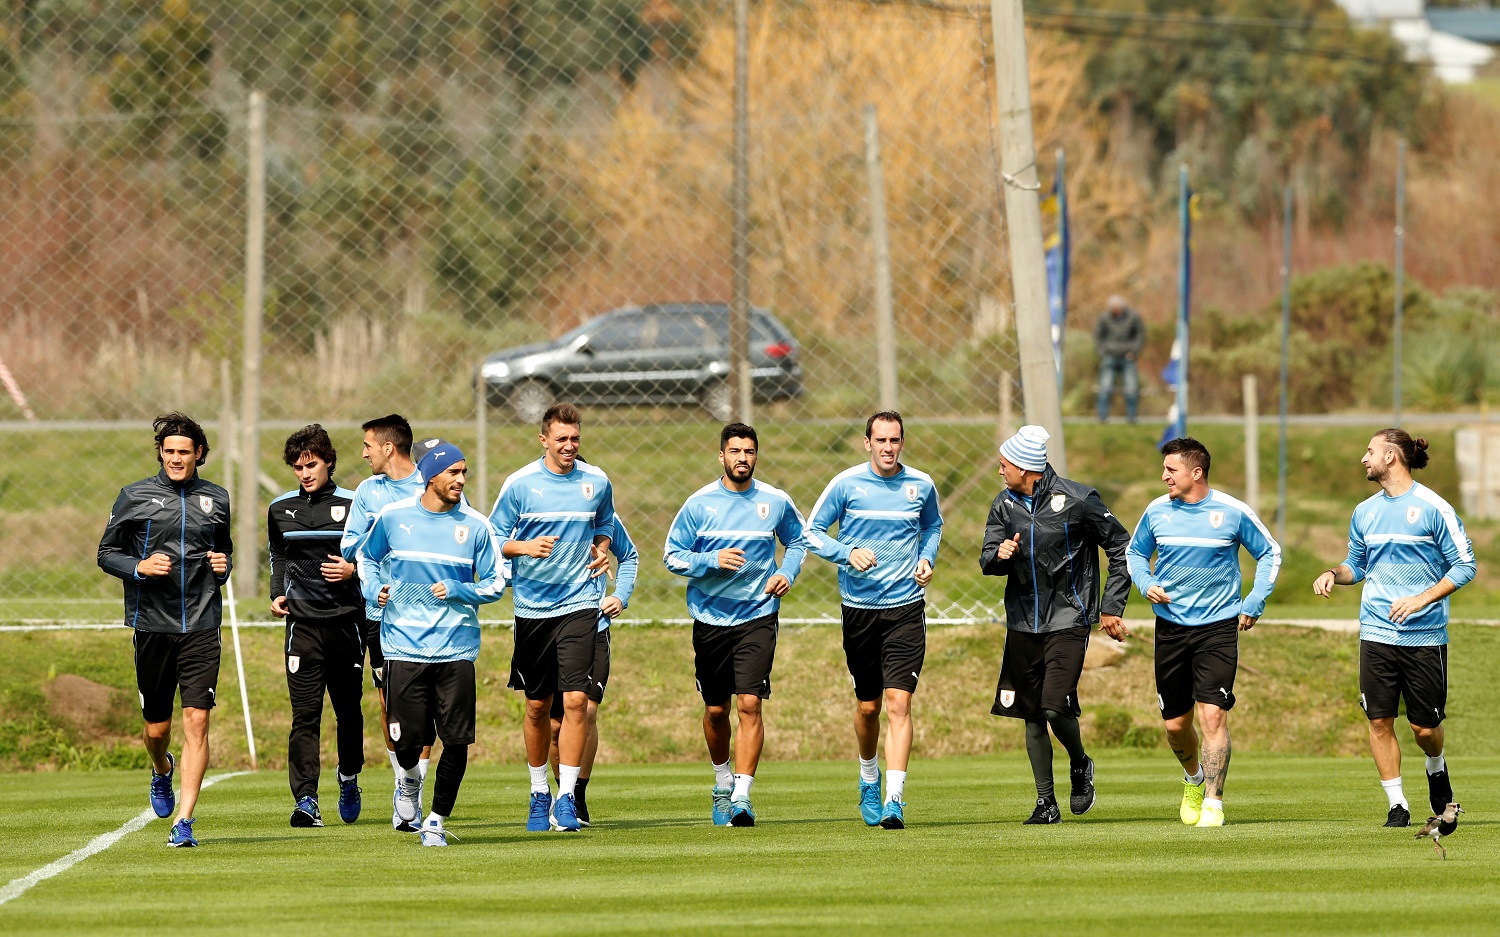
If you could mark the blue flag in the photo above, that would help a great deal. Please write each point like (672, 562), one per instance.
(1059, 250)
(1175, 374)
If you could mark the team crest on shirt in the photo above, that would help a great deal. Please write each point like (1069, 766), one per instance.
(1007, 698)
(588, 489)
(337, 512)
(1216, 518)
(206, 503)
(461, 534)
(293, 664)
(1057, 503)
(911, 492)
(1412, 514)
(762, 510)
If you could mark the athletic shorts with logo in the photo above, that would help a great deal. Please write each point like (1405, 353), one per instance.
(554, 654)
(166, 663)
(369, 635)
(1039, 672)
(423, 698)
(1389, 673)
(885, 647)
(598, 678)
(730, 660)
(1196, 664)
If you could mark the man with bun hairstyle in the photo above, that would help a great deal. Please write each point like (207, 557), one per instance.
(1044, 534)
(1409, 547)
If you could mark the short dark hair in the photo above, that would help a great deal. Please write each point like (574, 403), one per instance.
(737, 431)
(391, 428)
(564, 413)
(1413, 451)
(1191, 451)
(888, 415)
(313, 439)
(179, 424)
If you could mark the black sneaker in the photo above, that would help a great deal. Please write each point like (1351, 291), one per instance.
(1398, 817)
(1045, 814)
(1083, 789)
(1439, 792)
(583, 811)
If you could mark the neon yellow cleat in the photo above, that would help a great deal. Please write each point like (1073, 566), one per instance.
(1192, 803)
(1212, 816)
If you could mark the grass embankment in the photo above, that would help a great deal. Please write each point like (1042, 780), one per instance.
(48, 534)
(1297, 692)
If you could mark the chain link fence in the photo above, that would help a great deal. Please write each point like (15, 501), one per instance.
(446, 182)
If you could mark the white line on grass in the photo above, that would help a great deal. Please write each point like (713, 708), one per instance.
(98, 844)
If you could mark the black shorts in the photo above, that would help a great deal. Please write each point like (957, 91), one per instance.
(1196, 664)
(326, 648)
(554, 654)
(597, 679)
(885, 647)
(166, 662)
(734, 659)
(423, 697)
(1039, 672)
(369, 635)
(1419, 675)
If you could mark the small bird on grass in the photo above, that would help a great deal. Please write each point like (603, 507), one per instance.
(1437, 827)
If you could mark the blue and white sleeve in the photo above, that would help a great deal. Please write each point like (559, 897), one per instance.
(624, 550)
(827, 512)
(1138, 555)
(604, 515)
(505, 514)
(356, 525)
(1457, 549)
(789, 530)
(488, 584)
(1267, 552)
(679, 556)
(1355, 559)
(931, 528)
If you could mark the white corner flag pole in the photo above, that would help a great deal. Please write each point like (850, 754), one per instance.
(239, 667)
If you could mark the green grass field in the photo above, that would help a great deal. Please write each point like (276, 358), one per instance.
(1303, 853)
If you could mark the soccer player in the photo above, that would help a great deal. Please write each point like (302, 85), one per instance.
(387, 447)
(1044, 534)
(723, 540)
(439, 563)
(555, 519)
(1196, 533)
(889, 529)
(609, 607)
(168, 538)
(1409, 547)
(314, 589)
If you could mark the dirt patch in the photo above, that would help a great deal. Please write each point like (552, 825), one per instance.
(92, 708)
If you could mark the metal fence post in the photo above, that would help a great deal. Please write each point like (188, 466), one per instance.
(247, 515)
(880, 240)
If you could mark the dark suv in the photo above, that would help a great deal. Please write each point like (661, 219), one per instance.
(668, 353)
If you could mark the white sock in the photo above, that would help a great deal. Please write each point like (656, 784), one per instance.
(409, 774)
(742, 784)
(395, 765)
(1436, 763)
(869, 769)
(723, 775)
(539, 778)
(1193, 778)
(1213, 803)
(567, 779)
(422, 764)
(433, 821)
(346, 777)
(1393, 794)
(895, 785)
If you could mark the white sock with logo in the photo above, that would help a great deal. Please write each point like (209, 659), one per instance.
(433, 822)
(895, 785)
(742, 784)
(1213, 803)
(567, 779)
(1193, 778)
(1393, 793)
(1436, 763)
(869, 769)
(723, 775)
(395, 764)
(539, 778)
(422, 764)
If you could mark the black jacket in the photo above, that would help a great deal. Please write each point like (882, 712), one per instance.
(183, 520)
(1053, 579)
(303, 529)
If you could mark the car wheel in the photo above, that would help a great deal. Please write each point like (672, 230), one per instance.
(530, 400)
(715, 399)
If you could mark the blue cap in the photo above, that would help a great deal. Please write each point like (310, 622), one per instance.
(439, 454)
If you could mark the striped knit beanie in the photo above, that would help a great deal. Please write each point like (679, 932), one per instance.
(1027, 449)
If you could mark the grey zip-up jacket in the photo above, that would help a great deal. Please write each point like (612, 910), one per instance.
(1118, 337)
(185, 521)
(1052, 580)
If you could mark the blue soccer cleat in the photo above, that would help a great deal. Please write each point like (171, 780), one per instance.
(869, 802)
(565, 814)
(162, 800)
(539, 820)
(182, 833)
(741, 813)
(893, 817)
(721, 806)
(349, 800)
(306, 814)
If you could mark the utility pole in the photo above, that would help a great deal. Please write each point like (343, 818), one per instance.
(1023, 221)
(247, 515)
(1396, 326)
(739, 303)
(880, 240)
